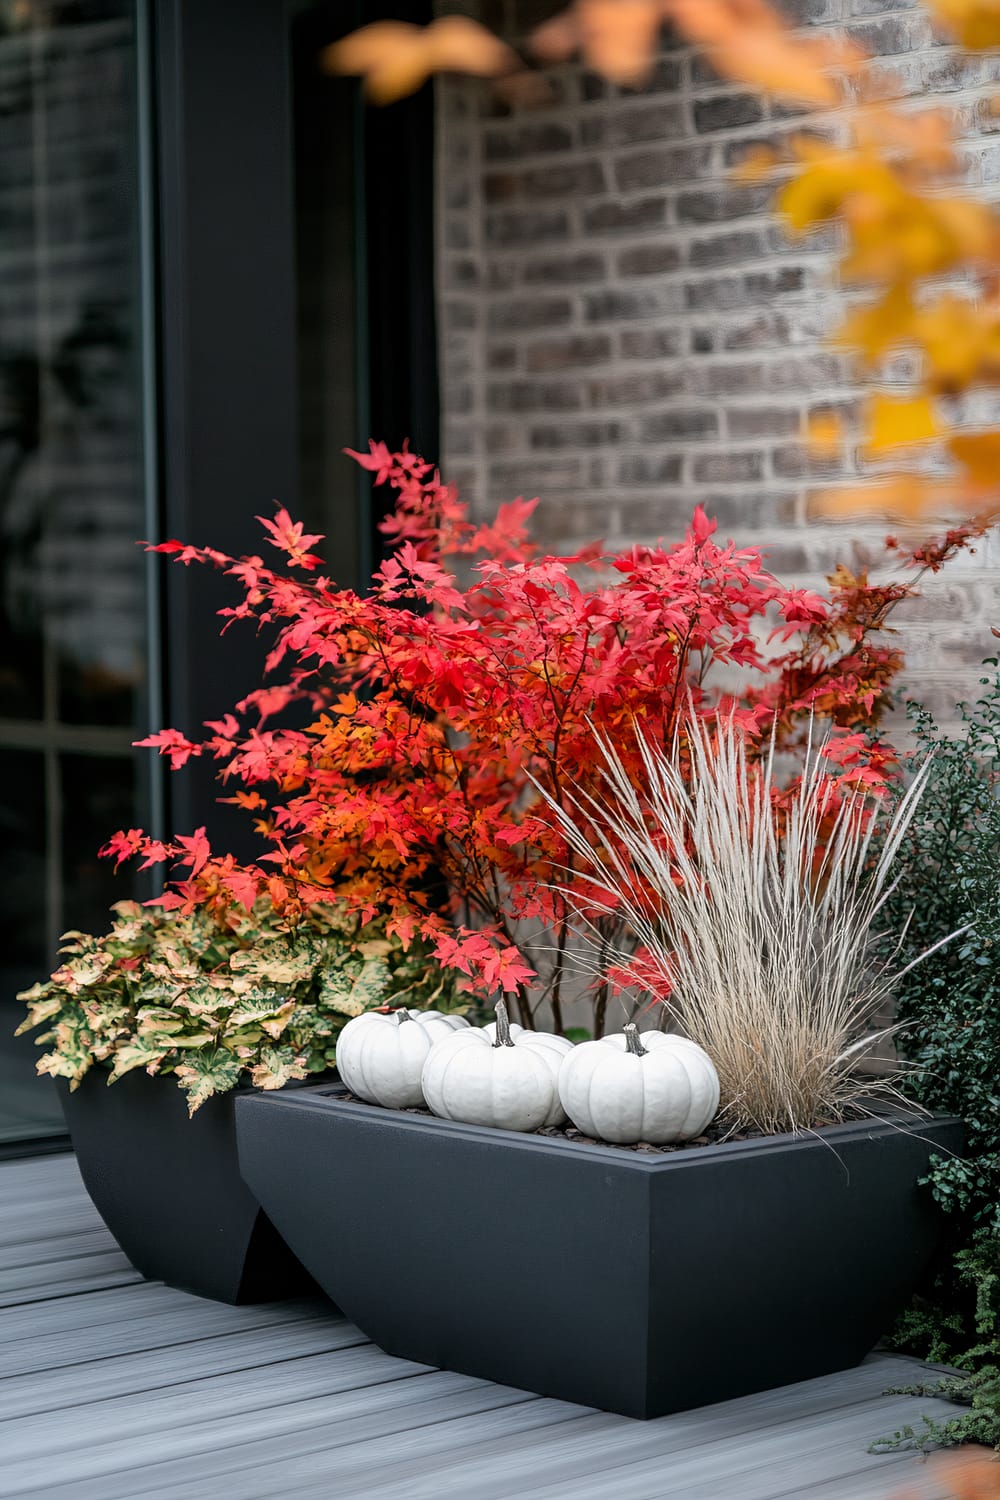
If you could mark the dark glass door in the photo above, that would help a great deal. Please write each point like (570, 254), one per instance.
(73, 607)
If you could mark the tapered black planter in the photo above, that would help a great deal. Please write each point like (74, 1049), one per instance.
(169, 1189)
(637, 1283)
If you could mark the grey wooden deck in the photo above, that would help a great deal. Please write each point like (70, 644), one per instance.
(115, 1387)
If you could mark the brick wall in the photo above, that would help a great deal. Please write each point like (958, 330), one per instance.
(625, 331)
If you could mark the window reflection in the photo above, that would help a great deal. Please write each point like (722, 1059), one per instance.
(72, 642)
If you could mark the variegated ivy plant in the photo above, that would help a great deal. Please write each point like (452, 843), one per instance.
(222, 1000)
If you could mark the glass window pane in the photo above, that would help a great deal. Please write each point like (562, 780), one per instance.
(72, 600)
(97, 795)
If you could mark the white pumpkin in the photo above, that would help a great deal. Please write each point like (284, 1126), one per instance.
(380, 1054)
(626, 1089)
(500, 1075)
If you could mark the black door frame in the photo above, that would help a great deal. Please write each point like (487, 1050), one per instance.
(222, 124)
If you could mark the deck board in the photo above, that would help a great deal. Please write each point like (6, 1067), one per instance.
(112, 1388)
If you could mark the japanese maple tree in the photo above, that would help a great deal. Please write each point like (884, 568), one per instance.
(429, 713)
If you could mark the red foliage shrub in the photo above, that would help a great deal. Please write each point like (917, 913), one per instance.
(427, 709)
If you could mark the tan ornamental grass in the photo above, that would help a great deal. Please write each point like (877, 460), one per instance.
(763, 924)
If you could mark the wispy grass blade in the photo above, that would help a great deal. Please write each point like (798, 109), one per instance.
(762, 924)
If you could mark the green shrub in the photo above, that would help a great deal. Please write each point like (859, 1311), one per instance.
(219, 1001)
(949, 1009)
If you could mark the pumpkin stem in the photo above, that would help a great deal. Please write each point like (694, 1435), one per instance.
(632, 1042)
(504, 1038)
(402, 1015)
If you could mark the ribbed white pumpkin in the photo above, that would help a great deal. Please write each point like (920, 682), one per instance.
(380, 1055)
(626, 1089)
(500, 1075)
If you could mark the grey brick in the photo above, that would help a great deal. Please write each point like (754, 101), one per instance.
(727, 468)
(889, 36)
(456, 234)
(761, 421)
(502, 275)
(766, 330)
(457, 397)
(878, 7)
(702, 72)
(665, 426)
(502, 357)
(459, 275)
(667, 166)
(555, 524)
(727, 112)
(948, 70)
(671, 514)
(582, 265)
(805, 373)
(568, 353)
(717, 293)
(791, 462)
(649, 260)
(527, 227)
(537, 475)
(785, 558)
(502, 438)
(714, 205)
(726, 249)
(665, 517)
(530, 312)
(989, 164)
(527, 140)
(820, 12)
(623, 218)
(649, 343)
(762, 286)
(564, 179)
(643, 469)
(728, 380)
(644, 302)
(635, 389)
(534, 396)
(578, 434)
(666, 76)
(500, 187)
(620, 125)
(459, 316)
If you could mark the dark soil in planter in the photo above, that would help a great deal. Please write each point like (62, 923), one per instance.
(169, 1189)
(715, 1135)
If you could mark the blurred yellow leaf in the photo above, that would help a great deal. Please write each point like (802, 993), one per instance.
(819, 190)
(971, 1474)
(958, 340)
(897, 421)
(903, 497)
(874, 329)
(395, 57)
(756, 165)
(979, 452)
(825, 434)
(617, 38)
(976, 23)
(749, 41)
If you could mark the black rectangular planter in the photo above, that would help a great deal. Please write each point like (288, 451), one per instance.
(169, 1189)
(638, 1283)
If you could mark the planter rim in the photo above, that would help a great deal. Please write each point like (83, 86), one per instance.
(826, 1137)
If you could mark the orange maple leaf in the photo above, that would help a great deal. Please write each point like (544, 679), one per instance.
(617, 38)
(396, 57)
(748, 41)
